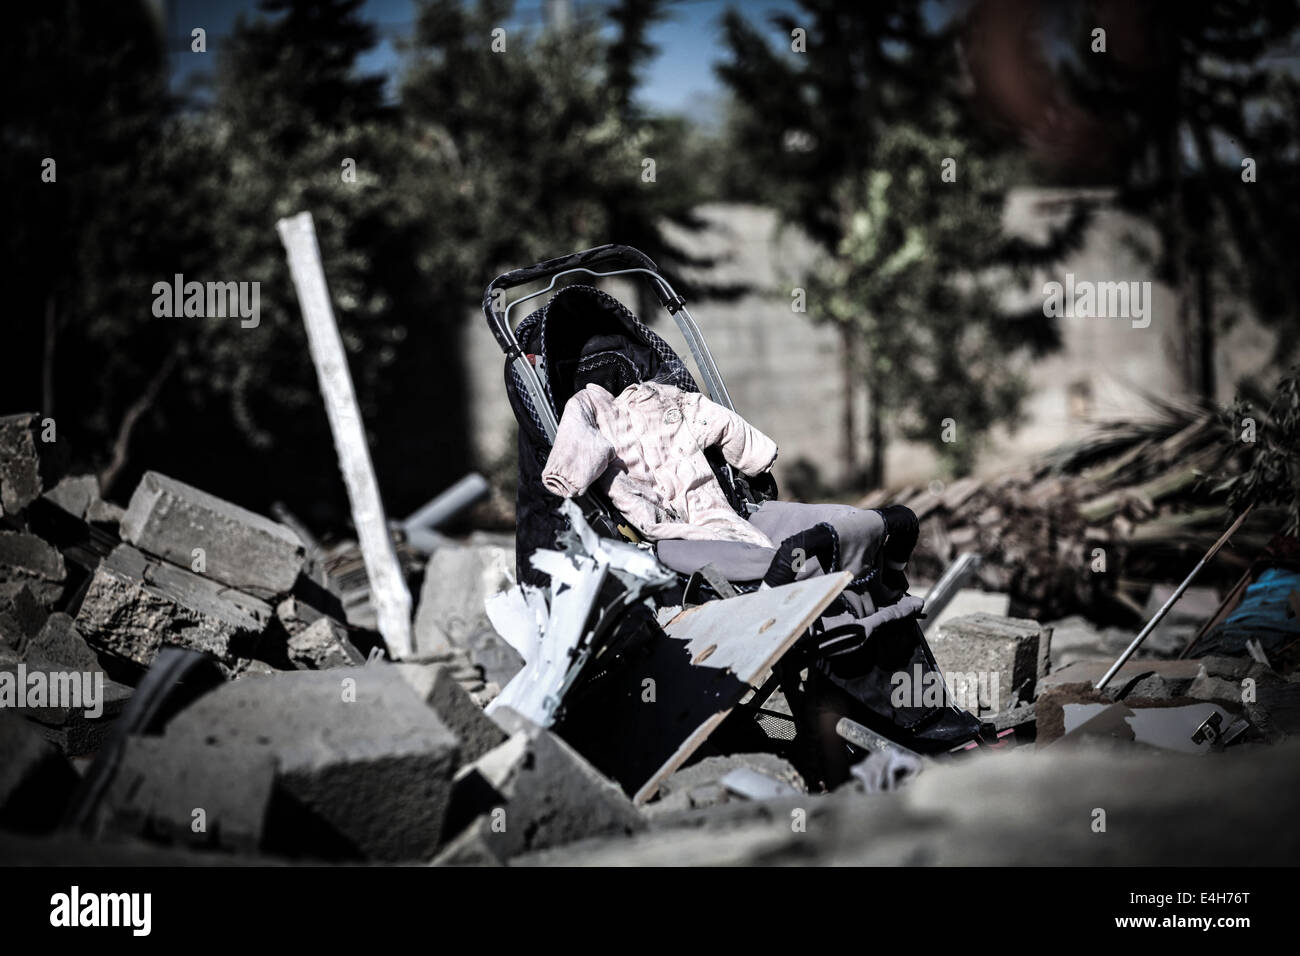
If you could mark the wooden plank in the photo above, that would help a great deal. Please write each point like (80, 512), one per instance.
(744, 636)
(388, 592)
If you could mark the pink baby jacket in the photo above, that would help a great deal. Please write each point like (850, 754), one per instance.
(645, 450)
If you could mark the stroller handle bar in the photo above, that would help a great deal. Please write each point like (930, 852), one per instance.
(618, 256)
(632, 261)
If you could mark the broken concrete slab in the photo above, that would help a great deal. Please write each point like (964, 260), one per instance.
(36, 781)
(29, 462)
(134, 606)
(1178, 675)
(321, 645)
(161, 793)
(531, 792)
(193, 529)
(78, 496)
(26, 559)
(437, 686)
(451, 615)
(59, 643)
(364, 765)
(74, 494)
(975, 648)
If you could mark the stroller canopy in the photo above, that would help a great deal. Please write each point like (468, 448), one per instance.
(584, 336)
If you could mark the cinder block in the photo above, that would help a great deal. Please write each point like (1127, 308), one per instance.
(28, 464)
(1013, 649)
(134, 606)
(170, 519)
(216, 798)
(364, 766)
(534, 791)
(438, 687)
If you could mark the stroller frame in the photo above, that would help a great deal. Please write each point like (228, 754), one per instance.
(619, 260)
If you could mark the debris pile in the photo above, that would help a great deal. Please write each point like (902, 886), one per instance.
(185, 680)
(1138, 501)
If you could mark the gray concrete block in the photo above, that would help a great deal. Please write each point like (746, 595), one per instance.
(74, 494)
(134, 606)
(59, 643)
(160, 792)
(78, 495)
(985, 645)
(170, 519)
(535, 791)
(26, 559)
(359, 756)
(28, 464)
(450, 615)
(437, 686)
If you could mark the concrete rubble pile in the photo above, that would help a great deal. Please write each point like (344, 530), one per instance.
(298, 740)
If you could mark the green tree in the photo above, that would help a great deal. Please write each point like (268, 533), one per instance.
(550, 147)
(93, 228)
(846, 131)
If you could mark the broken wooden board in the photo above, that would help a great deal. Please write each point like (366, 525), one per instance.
(644, 721)
(388, 593)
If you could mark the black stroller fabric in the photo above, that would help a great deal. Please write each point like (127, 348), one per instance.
(581, 336)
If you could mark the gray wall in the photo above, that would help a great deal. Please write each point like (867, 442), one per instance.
(785, 374)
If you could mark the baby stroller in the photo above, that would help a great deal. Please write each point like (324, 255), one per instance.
(583, 335)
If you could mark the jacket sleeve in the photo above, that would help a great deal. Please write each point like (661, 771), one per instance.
(580, 453)
(743, 446)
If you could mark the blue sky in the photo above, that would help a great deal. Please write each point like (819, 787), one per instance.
(681, 79)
